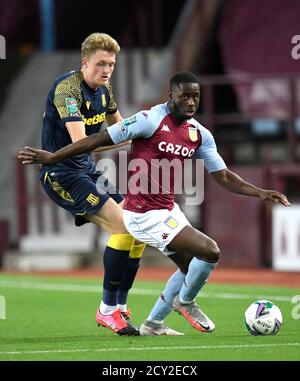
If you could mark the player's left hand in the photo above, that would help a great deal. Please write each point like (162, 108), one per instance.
(270, 195)
(35, 156)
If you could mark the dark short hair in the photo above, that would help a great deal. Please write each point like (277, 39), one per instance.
(183, 77)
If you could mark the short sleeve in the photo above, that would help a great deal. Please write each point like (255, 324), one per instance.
(139, 125)
(68, 99)
(208, 152)
(112, 107)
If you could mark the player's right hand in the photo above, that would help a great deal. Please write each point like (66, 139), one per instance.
(36, 156)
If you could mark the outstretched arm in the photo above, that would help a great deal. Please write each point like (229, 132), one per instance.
(234, 183)
(76, 130)
(88, 144)
(110, 120)
(137, 126)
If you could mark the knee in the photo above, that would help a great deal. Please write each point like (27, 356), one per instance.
(211, 252)
(137, 250)
(123, 242)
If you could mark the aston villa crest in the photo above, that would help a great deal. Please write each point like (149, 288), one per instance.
(193, 134)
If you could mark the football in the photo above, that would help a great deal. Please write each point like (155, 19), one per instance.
(263, 318)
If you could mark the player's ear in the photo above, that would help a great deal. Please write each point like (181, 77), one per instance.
(170, 95)
(84, 61)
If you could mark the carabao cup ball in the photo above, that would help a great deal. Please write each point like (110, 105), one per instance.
(263, 317)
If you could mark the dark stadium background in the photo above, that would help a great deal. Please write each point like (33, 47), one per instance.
(250, 98)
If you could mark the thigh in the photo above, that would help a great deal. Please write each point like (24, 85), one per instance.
(193, 241)
(104, 186)
(109, 217)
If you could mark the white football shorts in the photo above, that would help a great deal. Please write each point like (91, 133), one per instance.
(156, 228)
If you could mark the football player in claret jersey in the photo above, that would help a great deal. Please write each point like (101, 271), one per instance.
(78, 103)
(168, 131)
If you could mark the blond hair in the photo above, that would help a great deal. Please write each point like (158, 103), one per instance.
(96, 41)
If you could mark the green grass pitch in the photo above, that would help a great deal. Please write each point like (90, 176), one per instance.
(52, 318)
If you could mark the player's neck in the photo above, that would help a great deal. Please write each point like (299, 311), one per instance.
(86, 80)
(179, 118)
